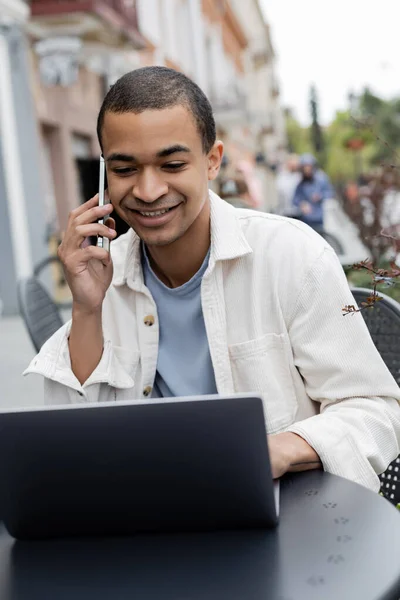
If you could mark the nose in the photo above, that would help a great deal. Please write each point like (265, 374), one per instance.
(149, 186)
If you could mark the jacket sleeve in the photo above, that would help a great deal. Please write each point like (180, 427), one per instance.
(60, 384)
(298, 195)
(327, 190)
(357, 432)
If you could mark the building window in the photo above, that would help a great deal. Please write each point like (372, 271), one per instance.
(81, 151)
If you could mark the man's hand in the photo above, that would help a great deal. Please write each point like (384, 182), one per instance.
(88, 269)
(290, 452)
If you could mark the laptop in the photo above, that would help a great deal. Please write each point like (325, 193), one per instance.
(165, 465)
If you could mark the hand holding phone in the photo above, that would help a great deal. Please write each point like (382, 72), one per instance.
(88, 268)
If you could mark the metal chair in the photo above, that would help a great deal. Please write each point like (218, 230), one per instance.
(38, 311)
(333, 242)
(383, 322)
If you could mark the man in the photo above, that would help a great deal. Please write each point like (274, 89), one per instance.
(200, 297)
(311, 192)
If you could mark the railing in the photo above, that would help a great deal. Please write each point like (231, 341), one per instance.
(127, 9)
(123, 11)
(50, 7)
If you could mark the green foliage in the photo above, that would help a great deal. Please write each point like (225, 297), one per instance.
(298, 137)
(338, 161)
(342, 163)
(316, 133)
(382, 118)
(377, 125)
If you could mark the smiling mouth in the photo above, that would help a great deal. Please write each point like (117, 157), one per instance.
(155, 213)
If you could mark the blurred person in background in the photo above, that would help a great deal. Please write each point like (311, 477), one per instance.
(236, 193)
(287, 180)
(311, 192)
(246, 172)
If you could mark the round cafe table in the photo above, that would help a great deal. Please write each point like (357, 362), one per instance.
(336, 540)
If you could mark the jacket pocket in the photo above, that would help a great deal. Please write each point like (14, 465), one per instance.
(129, 359)
(262, 366)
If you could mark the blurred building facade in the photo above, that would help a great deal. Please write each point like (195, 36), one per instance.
(264, 113)
(76, 49)
(225, 46)
(22, 219)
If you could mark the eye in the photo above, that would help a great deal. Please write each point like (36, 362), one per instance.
(124, 170)
(174, 166)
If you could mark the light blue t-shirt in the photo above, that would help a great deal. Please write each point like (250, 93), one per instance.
(184, 366)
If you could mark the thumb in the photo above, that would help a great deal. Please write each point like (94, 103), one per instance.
(110, 223)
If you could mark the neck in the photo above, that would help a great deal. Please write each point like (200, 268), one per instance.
(177, 263)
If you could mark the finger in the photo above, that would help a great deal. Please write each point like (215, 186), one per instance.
(74, 262)
(93, 214)
(84, 231)
(86, 242)
(95, 252)
(82, 236)
(110, 223)
(84, 207)
(78, 236)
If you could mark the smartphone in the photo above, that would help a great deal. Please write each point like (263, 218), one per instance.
(102, 242)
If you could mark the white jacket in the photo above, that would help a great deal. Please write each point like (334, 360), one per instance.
(272, 299)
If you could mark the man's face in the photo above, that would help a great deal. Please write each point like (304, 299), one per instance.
(158, 172)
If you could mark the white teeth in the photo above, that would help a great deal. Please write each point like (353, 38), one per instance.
(155, 213)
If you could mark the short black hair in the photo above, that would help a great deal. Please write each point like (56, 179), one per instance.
(156, 88)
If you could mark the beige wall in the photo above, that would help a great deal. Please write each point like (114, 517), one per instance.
(64, 112)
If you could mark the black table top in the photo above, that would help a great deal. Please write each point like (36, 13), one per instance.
(336, 540)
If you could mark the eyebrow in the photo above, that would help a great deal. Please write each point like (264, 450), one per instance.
(120, 157)
(172, 150)
(161, 154)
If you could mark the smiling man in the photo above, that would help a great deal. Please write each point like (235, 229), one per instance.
(200, 298)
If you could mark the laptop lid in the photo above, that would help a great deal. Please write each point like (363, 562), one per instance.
(182, 464)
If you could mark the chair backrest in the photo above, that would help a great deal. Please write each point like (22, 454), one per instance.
(390, 482)
(383, 322)
(38, 310)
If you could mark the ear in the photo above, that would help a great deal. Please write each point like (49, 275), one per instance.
(214, 159)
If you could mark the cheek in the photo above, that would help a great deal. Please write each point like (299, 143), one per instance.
(196, 201)
(118, 189)
(194, 186)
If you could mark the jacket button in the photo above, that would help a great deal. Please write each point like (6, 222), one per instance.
(149, 320)
(147, 391)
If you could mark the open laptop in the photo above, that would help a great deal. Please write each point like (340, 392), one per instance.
(182, 464)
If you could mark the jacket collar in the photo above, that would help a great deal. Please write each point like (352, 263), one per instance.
(227, 242)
